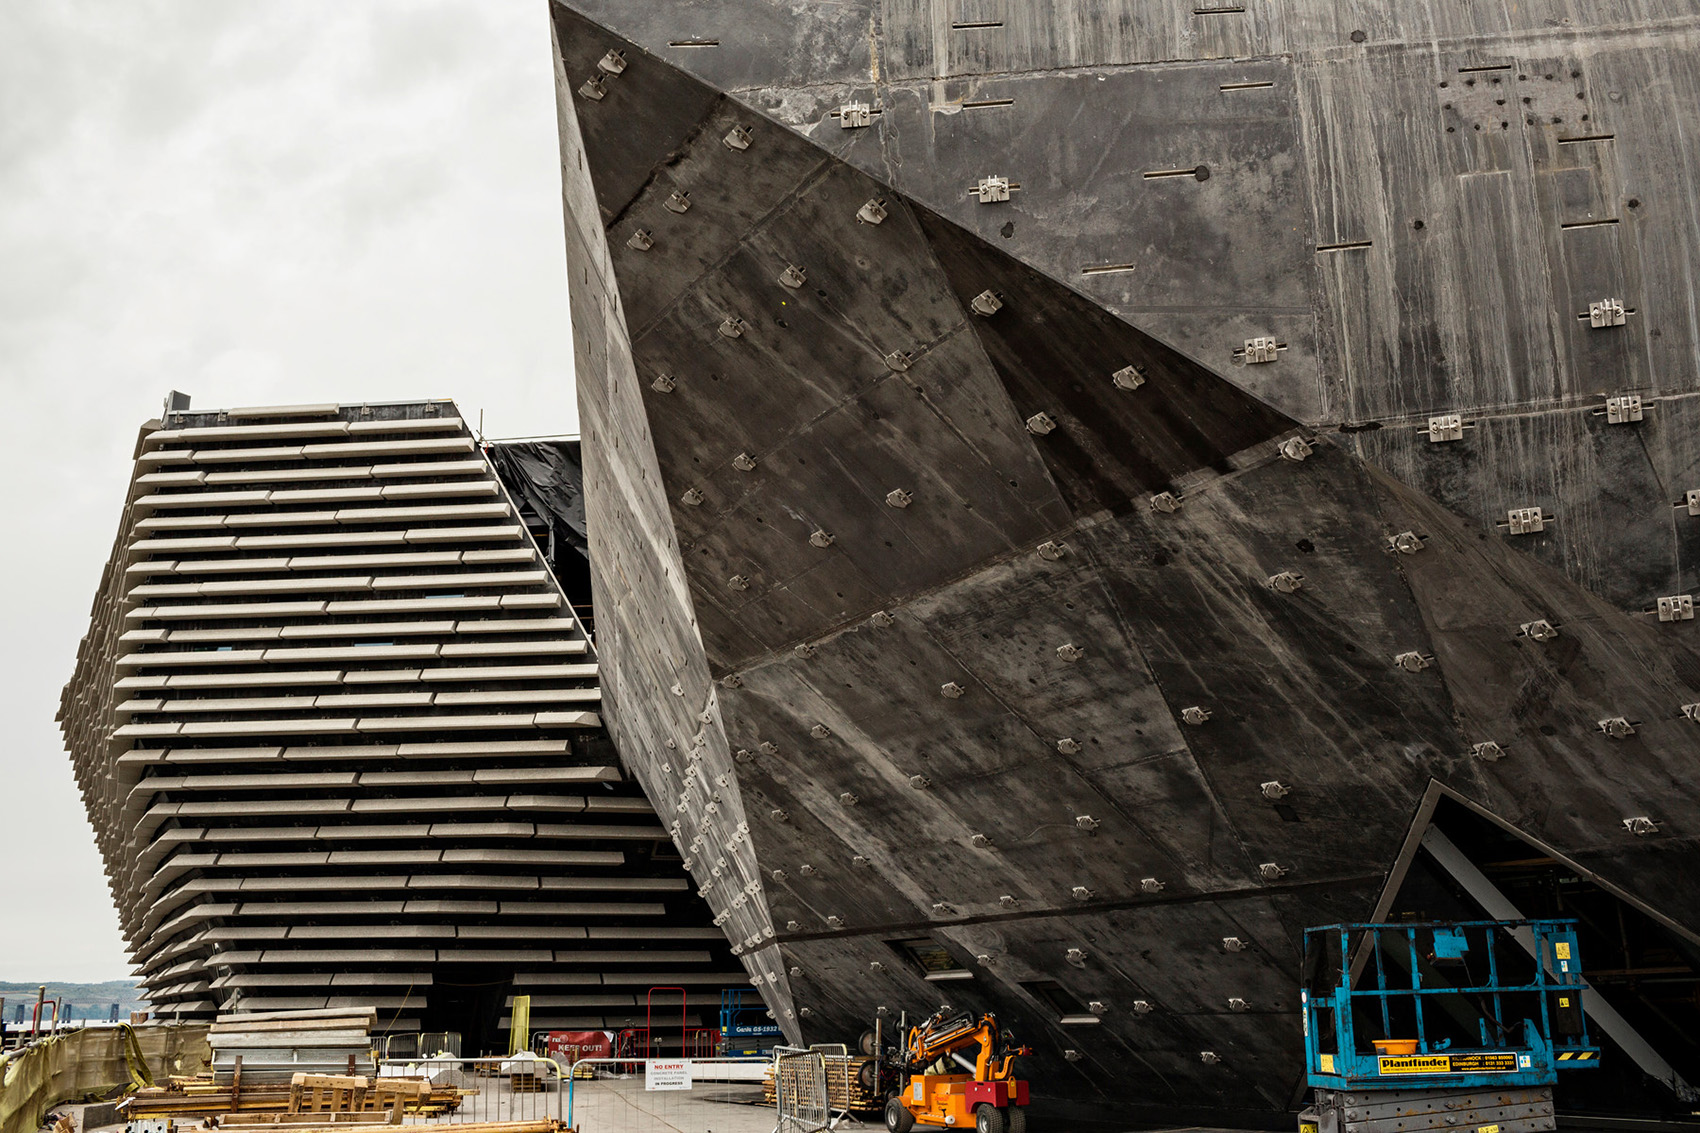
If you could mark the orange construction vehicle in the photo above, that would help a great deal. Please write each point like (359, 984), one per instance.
(930, 1092)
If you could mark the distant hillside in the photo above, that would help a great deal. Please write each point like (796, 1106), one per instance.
(83, 1001)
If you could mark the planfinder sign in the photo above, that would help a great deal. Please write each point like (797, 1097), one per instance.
(667, 1074)
(1487, 1063)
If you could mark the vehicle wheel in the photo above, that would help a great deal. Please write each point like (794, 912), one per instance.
(988, 1118)
(1015, 1120)
(865, 1044)
(866, 1077)
(898, 1119)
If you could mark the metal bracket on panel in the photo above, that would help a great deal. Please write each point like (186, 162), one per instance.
(820, 731)
(1086, 822)
(986, 304)
(1081, 893)
(1691, 500)
(1526, 521)
(854, 115)
(794, 926)
(898, 360)
(1605, 313)
(1128, 377)
(1676, 608)
(821, 538)
(1413, 662)
(1286, 582)
(1405, 543)
(1041, 423)
(732, 327)
(1274, 790)
(1263, 348)
(793, 276)
(1052, 550)
(613, 63)
(738, 582)
(1446, 427)
(692, 497)
(744, 755)
(898, 498)
(1296, 449)
(831, 922)
(980, 842)
(593, 89)
(1008, 901)
(663, 384)
(993, 189)
(951, 690)
(678, 201)
(881, 619)
(780, 816)
(1538, 630)
(849, 799)
(1166, 502)
(1487, 751)
(1623, 409)
(872, 212)
(640, 240)
(920, 782)
(1235, 1003)
(1233, 944)
(1068, 746)
(1617, 727)
(1141, 1007)
(807, 870)
(1072, 652)
(1195, 714)
(738, 138)
(805, 650)
(1692, 712)
(1640, 826)
(1072, 1055)
(1271, 871)
(1151, 885)
(744, 462)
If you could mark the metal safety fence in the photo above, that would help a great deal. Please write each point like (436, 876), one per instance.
(669, 1095)
(464, 1091)
(800, 1091)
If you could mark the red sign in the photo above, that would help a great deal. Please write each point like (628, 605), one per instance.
(567, 1047)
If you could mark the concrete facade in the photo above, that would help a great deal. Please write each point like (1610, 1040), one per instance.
(1054, 603)
(338, 733)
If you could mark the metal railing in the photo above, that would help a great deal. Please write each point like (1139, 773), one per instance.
(421, 1044)
(663, 1095)
(799, 1091)
(520, 1087)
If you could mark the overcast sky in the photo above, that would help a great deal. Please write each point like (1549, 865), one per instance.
(255, 203)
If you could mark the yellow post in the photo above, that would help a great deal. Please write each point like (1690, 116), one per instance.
(519, 1025)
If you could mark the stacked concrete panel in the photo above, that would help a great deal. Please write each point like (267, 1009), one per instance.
(337, 731)
(1012, 486)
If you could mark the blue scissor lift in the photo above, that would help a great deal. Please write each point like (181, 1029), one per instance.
(746, 1026)
(1459, 1025)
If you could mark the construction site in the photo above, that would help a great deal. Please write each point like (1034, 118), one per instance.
(1123, 569)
